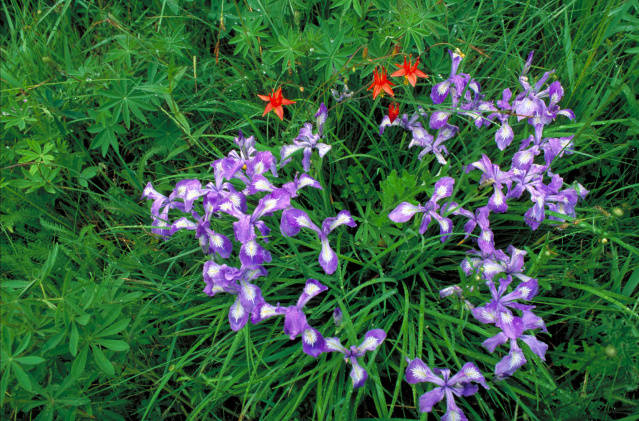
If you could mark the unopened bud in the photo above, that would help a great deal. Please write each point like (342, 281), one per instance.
(618, 212)
(610, 351)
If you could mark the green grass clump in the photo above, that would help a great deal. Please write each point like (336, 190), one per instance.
(101, 320)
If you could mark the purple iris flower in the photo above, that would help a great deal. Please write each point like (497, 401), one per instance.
(228, 166)
(248, 158)
(504, 135)
(160, 210)
(486, 238)
(497, 262)
(221, 196)
(295, 323)
(556, 147)
(210, 241)
(497, 311)
(222, 278)
(492, 175)
(438, 119)
(337, 316)
(515, 328)
(295, 219)
(404, 121)
(372, 340)
(405, 211)
(454, 85)
(307, 140)
(481, 111)
(432, 144)
(530, 104)
(461, 384)
(299, 182)
(252, 253)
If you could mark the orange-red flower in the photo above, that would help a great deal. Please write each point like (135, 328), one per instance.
(409, 71)
(275, 102)
(393, 111)
(380, 82)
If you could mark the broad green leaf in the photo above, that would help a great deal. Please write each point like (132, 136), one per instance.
(79, 362)
(114, 345)
(102, 361)
(30, 360)
(116, 327)
(22, 377)
(74, 338)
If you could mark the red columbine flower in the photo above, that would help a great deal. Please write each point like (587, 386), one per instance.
(381, 82)
(409, 71)
(275, 102)
(393, 111)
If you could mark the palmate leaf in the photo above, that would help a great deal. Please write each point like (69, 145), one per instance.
(287, 49)
(124, 99)
(105, 130)
(247, 34)
(332, 55)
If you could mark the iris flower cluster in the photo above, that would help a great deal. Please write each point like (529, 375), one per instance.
(509, 307)
(211, 209)
(207, 209)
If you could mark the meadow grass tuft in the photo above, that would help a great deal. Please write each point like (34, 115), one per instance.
(102, 320)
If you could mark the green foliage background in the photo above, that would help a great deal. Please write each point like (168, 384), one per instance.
(100, 320)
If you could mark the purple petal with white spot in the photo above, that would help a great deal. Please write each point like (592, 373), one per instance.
(251, 254)
(510, 363)
(438, 119)
(259, 183)
(497, 202)
(486, 313)
(454, 413)
(250, 295)
(312, 342)
(445, 226)
(443, 188)
(334, 345)
(423, 226)
(312, 288)
(404, 212)
(511, 325)
(372, 340)
(327, 258)
(265, 311)
(536, 346)
(343, 218)
(220, 244)
(418, 372)
(320, 118)
(439, 92)
(358, 374)
(188, 191)
(272, 202)
(486, 241)
(294, 322)
(504, 136)
(524, 291)
(322, 149)
(293, 220)
(286, 151)
(494, 341)
(238, 315)
(430, 399)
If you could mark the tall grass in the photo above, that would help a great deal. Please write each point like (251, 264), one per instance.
(102, 320)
